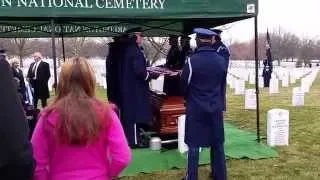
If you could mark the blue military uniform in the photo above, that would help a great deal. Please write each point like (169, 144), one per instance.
(266, 73)
(202, 80)
(223, 51)
(135, 102)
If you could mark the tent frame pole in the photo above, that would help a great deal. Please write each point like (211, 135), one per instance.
(256, 56)
(53, 33)
(62, 42)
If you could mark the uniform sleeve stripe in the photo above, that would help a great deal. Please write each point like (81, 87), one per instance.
(190, 71)
(218, 50)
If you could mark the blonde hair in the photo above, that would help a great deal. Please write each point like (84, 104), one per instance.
(79, 121)
(14, 60)
(76, 72)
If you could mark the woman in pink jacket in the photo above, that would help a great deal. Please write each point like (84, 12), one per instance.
(79, 137)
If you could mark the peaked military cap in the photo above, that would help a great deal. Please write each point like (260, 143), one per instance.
(203, 33)
(218, 31)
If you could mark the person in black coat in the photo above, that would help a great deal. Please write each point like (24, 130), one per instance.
(135, 93)
(173, 63)
(38, 76)
(111, 71)
(16, 160)
(202, 80)
(186, 50)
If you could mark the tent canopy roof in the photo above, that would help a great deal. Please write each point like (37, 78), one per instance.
(31, 18)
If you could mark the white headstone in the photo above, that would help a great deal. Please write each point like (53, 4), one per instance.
(285, 81)
(228, 79)
(181, 132)
(292, 78)
(158, 84)
(305, 85)
(240, 87)
(297, 97)
(252, 78)
(278, 127)
(250, 99)
(232, 82)
(246, 75)
(274, 86)
(50, 84)
(261, 82)
(104, 84)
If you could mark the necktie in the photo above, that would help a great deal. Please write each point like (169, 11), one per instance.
(34, 69)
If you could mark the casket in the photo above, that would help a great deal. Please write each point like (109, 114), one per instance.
(166, 110)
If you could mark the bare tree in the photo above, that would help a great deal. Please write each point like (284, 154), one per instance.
(156, 48)
(104, 41)
(22, 48)
(291, 46)
(75, 44)
(307, 51)
(8, 45)
(317, 50)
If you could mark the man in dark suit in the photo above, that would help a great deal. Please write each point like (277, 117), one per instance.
(202, 80)
(16, 160)
(38, 76)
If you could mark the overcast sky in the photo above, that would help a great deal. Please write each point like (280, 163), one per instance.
(298, 16)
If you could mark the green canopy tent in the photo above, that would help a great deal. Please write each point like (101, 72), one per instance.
(105, 18)
(157, 17)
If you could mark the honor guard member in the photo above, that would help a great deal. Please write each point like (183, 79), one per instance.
(219, 46)
(223, 51)
(267, 71)
(136, 108)
(202, 78)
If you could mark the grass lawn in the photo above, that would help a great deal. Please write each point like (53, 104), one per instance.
(299, 161)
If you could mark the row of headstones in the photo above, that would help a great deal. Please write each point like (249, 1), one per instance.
(234, 82)
(238, 83)
(278, 119)
(100, 80)
(298, 93)
(249, 74)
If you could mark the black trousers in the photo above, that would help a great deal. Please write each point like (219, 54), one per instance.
(133, 133)
(43, 102)
(218, 163)
(17, 172)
